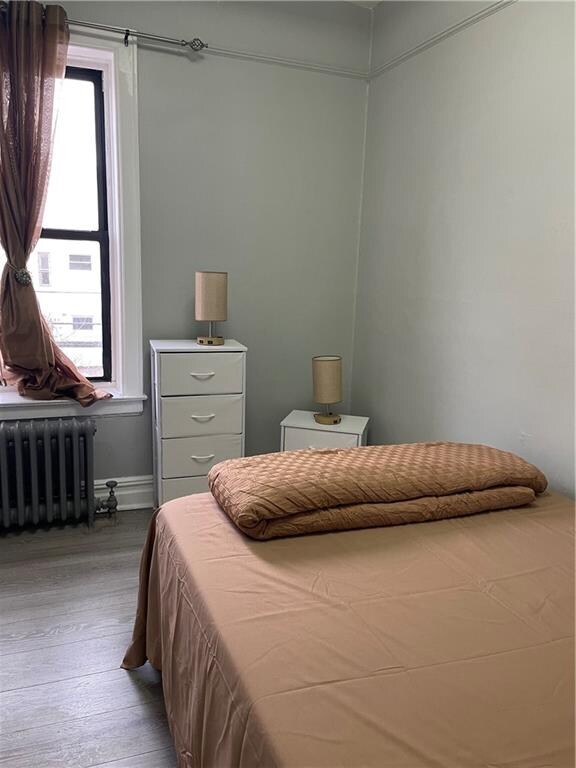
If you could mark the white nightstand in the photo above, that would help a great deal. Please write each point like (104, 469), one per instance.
(299, 430)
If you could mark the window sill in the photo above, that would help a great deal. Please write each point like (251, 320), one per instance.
(14, 406)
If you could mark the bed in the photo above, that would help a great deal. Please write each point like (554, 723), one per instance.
(446, 644)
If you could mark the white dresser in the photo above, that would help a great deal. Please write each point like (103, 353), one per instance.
(299, 430)
(198, 403)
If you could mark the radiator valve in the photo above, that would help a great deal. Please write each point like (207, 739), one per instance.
(109, 505)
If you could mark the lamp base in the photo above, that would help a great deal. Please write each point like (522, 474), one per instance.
(210, 341)
(327, 418)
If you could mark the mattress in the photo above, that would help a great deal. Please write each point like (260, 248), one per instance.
(446, 644)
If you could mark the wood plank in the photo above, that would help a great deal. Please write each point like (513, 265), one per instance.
(50, 602)
(164, 758)
(63, 662)
(66, 627)
(79, 697)
(88, 741)
(14, 552)
(130, 528)
(60, 572)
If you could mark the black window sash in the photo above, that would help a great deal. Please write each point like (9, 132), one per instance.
(101, 234)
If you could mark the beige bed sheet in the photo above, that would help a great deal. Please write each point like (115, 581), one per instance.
(446, 644)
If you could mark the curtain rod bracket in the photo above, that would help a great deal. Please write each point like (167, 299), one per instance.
(126, 37)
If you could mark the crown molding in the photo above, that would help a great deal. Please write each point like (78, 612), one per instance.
(438, 38)
(310, 66)
(261, 58)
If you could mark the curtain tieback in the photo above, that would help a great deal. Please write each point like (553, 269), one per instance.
(22, 275)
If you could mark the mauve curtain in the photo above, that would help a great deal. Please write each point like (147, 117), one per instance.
(33, 48)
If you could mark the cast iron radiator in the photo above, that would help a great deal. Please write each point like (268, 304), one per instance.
(46, 471)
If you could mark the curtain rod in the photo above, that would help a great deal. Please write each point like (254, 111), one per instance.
(195, 44)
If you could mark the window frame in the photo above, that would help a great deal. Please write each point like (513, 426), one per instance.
(118, 63)
(101, 235)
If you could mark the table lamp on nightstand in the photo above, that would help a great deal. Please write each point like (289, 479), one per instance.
(327, 379)
(211, 303)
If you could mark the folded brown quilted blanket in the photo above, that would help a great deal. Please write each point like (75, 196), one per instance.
(296, 492)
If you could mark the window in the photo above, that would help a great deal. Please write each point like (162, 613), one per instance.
(75, 227)
(43, 268)
(81, 323)
(80, 261)
(92, 214)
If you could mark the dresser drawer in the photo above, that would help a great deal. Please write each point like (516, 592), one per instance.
(201, 415)
(195, 456)
(183, 486)
(201, 373)
(294, 439)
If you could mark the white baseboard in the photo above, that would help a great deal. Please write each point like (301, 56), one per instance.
(131, 492)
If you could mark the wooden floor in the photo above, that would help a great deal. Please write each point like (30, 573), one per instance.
(67, 601)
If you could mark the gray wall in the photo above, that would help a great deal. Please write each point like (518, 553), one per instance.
(465, 308)
(254, 169)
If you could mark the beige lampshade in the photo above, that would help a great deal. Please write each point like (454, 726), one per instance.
(211, 296)
(327, 378)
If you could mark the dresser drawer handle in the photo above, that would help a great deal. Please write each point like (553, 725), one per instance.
(203, 458)
(207, 417)
(203, 376)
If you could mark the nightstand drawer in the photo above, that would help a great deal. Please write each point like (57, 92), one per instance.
(183, 486)
(195, 456)
(294, 439)
(201, 415)
(201, 373)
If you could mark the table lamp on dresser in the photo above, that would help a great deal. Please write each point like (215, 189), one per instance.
(211, 303)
